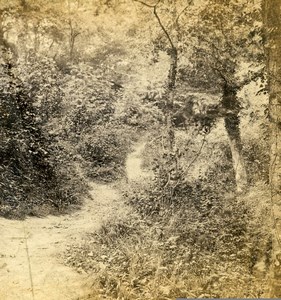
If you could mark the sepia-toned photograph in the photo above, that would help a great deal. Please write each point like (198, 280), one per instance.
(140, 149)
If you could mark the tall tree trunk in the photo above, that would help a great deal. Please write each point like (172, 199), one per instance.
(272, 22)
(72, 38)
(169, 97)
(232, 122)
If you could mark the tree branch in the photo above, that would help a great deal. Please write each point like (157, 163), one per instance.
(179, 15)
(145, 4)
(197, 154)
(190, 2)
(222, 76)
(159, 20)
(163, 28)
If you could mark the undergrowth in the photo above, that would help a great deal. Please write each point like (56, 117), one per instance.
(188, 254)
(38, 172)
(185, 238)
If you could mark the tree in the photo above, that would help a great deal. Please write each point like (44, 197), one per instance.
(27, 28)
(272, 23)
(208, 49)
(225, 40)
(172, 75)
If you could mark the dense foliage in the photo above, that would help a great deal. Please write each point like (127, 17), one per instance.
(190, 235)
(80, 87)
(36, 164)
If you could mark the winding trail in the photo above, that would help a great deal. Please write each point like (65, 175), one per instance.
(30, 266)
(134, 169)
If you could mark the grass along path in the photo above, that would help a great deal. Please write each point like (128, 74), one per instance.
(30, 266)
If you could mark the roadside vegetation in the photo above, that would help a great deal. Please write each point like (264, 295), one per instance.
(94, 78)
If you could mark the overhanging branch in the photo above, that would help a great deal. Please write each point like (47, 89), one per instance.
(163, 28)
(147, 5)
(159, 21)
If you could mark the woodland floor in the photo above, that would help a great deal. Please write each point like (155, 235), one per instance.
(31, 266)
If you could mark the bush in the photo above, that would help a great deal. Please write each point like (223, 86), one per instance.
(189, 254)
(187, 238)
(104, 151)
(256, 153)
(36, 165)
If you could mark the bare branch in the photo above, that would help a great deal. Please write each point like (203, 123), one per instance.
(222, 76)
(163, 28)
(145, 4)
(197, 154)
(159, 20)
(182, 12)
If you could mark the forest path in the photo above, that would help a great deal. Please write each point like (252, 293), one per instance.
(134, 162)
(30, 268)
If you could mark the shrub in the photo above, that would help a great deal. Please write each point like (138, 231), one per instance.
(187, 238)
(104, 151)
(36, 165)
(189, 254)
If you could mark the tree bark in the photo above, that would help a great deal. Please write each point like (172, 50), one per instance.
(72, 39)
(272, 23)
(169, 97)
(232, 122)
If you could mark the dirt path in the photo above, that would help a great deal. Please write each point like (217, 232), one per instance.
(30, 268)
(29, 264)
(134, 169)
